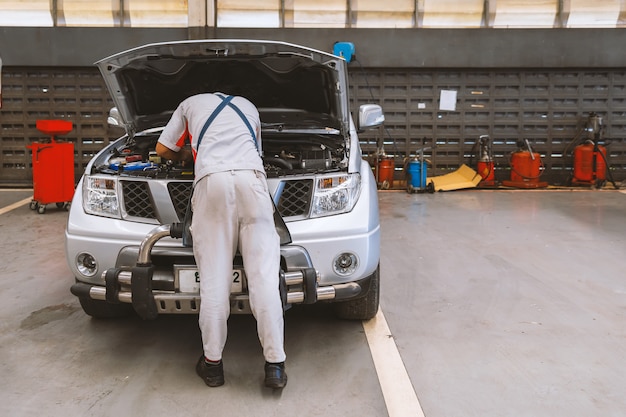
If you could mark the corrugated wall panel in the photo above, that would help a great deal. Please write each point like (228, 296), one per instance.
(547, 107)
(31, 94)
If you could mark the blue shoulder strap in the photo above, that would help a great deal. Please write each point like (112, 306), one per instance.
(244, 118)
(218, 109)
(226, 101)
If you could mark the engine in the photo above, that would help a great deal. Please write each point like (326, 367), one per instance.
(301, 154)
(283, 155)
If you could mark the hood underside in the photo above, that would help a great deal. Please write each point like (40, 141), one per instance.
(291, 85)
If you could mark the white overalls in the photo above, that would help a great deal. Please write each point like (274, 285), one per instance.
(232, 210)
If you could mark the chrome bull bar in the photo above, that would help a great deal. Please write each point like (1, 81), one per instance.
(134, 285)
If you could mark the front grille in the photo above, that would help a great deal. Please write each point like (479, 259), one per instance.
(295, 199)
(180, 193)
(137, 201)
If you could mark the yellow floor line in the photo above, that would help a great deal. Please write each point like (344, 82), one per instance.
(15, 205)
(398, 391)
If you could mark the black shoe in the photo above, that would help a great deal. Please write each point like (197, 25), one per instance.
(212, 375)
(275, 375)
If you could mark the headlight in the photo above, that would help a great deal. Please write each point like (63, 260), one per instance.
(335, 194)
(100, 196)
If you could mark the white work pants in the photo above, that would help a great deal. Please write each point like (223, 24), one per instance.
(233, 209)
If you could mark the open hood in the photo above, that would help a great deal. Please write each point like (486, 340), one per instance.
(293, 86)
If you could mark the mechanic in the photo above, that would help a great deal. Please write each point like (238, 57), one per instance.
(232, 208)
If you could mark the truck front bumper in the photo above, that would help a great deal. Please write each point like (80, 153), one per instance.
(135, 285)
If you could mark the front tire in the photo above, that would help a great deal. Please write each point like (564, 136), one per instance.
(363, 308)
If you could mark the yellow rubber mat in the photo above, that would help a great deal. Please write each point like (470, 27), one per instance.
(464, 177)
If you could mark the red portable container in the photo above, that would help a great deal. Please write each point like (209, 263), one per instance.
(53, 167)
(386, 169)
(525, 170)
(525, 166)
(589, 165)
(486, 171)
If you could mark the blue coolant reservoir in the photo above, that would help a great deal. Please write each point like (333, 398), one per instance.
(133, 166)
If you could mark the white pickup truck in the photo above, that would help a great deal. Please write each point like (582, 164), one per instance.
(123, 236)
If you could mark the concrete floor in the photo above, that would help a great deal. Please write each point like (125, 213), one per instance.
(501, 303)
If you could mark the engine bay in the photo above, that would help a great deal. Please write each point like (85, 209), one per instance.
(284, 154)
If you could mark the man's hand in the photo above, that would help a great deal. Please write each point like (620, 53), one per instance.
(184, 155)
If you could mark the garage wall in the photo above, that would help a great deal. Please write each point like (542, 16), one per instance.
(375, 48)
(508, 91)
(33, 93)
(549, 108)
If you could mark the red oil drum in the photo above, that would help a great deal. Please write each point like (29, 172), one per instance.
(525, 167)
(485, 170)
(589, 164)
(386, 168)
(53, 166)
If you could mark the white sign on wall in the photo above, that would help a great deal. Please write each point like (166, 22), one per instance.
(447, 100)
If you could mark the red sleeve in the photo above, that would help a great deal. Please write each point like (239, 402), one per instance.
(181, 140)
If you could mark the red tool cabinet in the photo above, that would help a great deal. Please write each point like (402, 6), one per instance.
(53, 167)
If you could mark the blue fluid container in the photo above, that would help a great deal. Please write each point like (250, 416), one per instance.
(417, 174)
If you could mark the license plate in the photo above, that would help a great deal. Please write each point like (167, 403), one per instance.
(189, 280)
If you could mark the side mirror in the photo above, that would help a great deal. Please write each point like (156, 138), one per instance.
(370, 115)
(115, 119)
